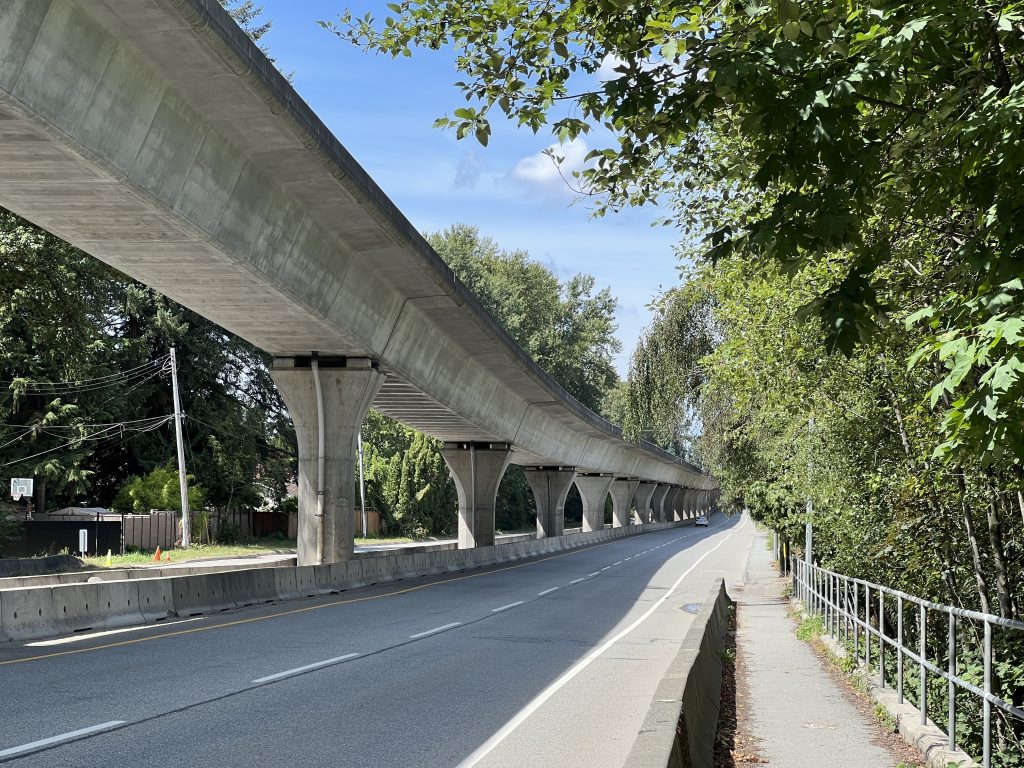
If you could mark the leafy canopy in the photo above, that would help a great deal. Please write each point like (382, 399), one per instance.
(794, 132)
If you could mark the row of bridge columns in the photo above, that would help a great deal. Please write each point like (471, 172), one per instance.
(328, 399)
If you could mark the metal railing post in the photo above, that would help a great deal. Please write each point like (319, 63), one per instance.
(881, 638)
(856, 622)
(899, 654)
(951, 669)
(987, 706)
(867, 627)
(923, 670)
(846, 610)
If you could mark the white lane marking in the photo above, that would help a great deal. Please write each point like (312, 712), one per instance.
(630, 557)
(576, 581)
(306, 668)
(435, 630)
(58, 739)
(506, 607)
(617, 562)
(90, 635)
(606, 568)
(595, 573)
(547, 592)
(488, 746)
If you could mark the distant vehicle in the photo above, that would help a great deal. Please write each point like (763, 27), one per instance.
(701, 520)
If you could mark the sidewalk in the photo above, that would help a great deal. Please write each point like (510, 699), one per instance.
(798, 715)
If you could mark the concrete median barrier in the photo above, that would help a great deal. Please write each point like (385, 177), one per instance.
(76, 608)
(156, 599)
(41, 611)
(197, 595)
(26, 613)
(284, 583)
(305, 580)
(118, 603)
(252, 587)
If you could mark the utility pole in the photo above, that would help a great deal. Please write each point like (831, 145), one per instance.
(362, 483)
(808, 528)
(186, 528)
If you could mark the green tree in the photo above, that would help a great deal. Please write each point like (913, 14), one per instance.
(567, 328)
(157, 490)
(796, 132)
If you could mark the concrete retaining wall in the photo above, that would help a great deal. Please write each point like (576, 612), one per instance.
(681, 724)
(31, 566)
(123, 574)
(45, 610)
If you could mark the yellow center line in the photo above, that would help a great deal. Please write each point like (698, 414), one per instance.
(293, 611)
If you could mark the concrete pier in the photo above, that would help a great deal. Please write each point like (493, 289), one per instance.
(477, 469)
(346, 388)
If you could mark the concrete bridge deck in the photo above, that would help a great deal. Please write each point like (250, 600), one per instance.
(158, 138)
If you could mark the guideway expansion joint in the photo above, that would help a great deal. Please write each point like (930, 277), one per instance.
(476, 469)
(327, 397)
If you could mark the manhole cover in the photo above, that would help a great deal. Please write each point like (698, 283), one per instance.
(692, 607)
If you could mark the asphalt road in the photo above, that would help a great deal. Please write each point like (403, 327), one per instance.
(546, 662)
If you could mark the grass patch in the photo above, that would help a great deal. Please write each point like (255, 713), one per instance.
(375, 541)
(206, 551)
(196, 552)
(810, 629)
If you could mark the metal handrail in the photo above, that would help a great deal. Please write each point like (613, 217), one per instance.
(827, 593)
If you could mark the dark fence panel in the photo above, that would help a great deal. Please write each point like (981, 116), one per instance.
(51, 536)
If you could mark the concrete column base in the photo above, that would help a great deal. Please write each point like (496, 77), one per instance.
(622, 491)
(477, 469)
(642, 499)
(593, 491)
(550, 486)
(348, 386)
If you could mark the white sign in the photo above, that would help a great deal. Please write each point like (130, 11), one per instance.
(21, 486)
(83, 540)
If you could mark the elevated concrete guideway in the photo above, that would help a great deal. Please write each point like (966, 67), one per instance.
(157, 137)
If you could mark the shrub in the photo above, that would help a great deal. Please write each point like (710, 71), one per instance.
(228, 531)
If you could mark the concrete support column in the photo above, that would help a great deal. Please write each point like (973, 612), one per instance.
(477, 469)
(593, 491)
(644, 493)
(550, 486)
(622, 492)
(670, 513)
(326, 521)
(688, 503)
(658, 503)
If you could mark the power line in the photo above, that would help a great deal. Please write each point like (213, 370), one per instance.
(113, 430)
(87, 385)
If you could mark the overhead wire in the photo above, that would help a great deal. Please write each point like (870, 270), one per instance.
(91, 384)
(109, 431)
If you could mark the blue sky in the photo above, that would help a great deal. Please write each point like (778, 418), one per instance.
(383, 111)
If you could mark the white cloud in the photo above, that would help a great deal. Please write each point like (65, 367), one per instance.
(551, 171)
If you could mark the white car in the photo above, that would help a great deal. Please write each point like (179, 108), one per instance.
(701, 520)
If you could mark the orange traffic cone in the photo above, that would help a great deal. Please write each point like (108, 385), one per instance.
(156, 557)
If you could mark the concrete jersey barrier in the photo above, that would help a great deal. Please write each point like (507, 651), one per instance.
(41, 611)
(682, 722)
